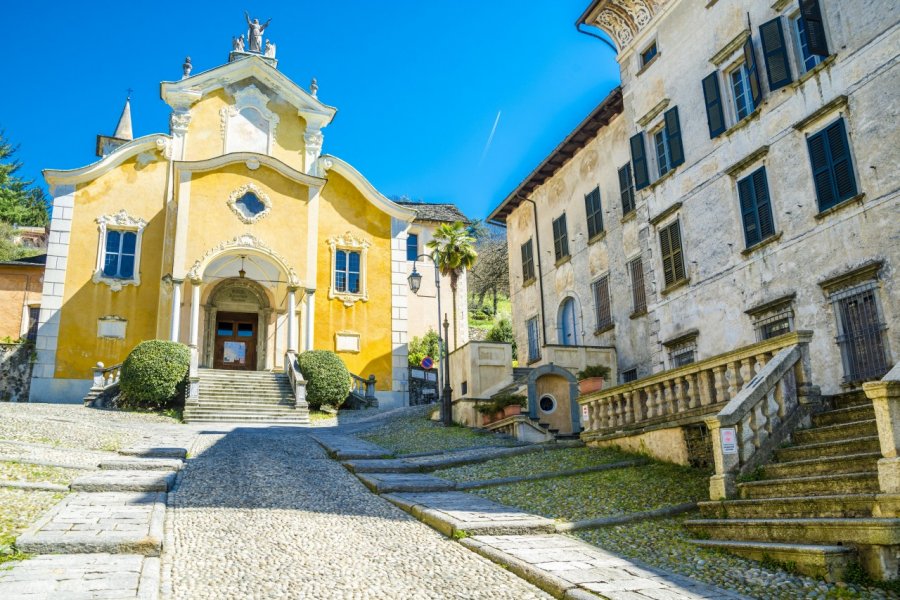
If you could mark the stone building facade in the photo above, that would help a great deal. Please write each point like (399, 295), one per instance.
(741, 183)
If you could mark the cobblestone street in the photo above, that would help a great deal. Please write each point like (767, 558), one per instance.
(263, 513)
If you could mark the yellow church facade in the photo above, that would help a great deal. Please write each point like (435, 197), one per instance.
(233, 234)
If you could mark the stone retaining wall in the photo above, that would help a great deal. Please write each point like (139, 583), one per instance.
(15, 371)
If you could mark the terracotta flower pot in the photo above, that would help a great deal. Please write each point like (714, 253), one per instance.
(512, 410)
(487, 419)
(591, 384)
(498, 415)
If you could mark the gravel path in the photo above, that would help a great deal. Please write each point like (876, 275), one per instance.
(263, 513)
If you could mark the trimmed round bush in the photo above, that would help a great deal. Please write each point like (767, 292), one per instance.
(327, 378)
(153, 375)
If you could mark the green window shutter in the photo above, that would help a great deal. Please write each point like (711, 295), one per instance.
(821, 167)
(527, 261)
(811, 14)
(593, 211)
(752, 72)
(673, 133)
(763, 204)
(778, 68)
(677, 258)
(715, 114)
(841, 164)
(748, 211)
(665, 247)
(626, 189)
(639, 162)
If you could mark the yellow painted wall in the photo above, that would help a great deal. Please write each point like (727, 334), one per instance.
(19, 286)
(140, 190)
(204, 138)
(343, 208)
(211, 221)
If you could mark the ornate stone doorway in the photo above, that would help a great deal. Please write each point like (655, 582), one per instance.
(238, 314)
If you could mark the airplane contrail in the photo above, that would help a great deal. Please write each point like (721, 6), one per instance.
(490, 139)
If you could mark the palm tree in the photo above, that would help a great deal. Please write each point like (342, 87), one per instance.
(453, 250)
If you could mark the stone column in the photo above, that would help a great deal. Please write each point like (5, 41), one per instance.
(195, 313)
(885, 397)
(292, 319)
(722, 483)
(310, 319)
(175, 325)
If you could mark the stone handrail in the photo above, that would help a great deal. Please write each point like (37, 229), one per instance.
(748, 430)
(885, 397)
(364, 389)
(105, 379)
(295, 377)
(681, 395)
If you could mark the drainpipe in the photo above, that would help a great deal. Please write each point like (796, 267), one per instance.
(540, 270)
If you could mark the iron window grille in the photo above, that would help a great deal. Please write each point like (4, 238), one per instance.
(602, 308)
(774, 325)
(638, 292)
(629, 375)
(860, 327)
(683, 354)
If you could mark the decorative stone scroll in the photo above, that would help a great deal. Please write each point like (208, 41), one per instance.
(623, 20)
(249, 242)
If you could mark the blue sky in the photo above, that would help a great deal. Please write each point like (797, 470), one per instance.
(418, 85)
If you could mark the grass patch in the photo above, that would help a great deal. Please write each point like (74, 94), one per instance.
(316, 416)
(604, 494)
(547, 461)
(414, 434)
(18, 510)
(15, 471)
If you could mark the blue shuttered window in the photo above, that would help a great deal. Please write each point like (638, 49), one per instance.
(560, 238)
(626, 189)
(715, 114)
(346, 272)
(118, 261)
(534, 339)
(775, 52)
(594, 212)
(752, 72)
(639, 162)
(740, 88)
(814, 26)
(673, 137)
(756, 208)
(832, 167)
(527, 261)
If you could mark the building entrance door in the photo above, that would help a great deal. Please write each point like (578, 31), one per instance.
(235, 345)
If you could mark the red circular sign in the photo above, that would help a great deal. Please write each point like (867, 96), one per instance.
(427, 362)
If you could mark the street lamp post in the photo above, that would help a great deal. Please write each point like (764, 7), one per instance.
(415, 282)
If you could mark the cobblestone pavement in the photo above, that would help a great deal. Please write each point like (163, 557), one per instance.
(263, 513)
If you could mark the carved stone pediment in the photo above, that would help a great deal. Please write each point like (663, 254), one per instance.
(623, 20)
(249, 242)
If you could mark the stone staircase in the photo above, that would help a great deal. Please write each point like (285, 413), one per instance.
(245, 397)
(817, 506)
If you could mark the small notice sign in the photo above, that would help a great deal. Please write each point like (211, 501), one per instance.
(729, 440)
(427, 363)
(585, 414)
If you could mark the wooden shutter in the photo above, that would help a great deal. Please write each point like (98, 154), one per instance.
(673, 134)
(638, 295)
(811, 14)
(670, 247)
(763, 204)
(821, 168)
(715, 114)
(527, 261)
(841, 165)
(639, 162)
(677, 259)
(626, 189)
(602, 309)
(778, 69)
(748, 211)
(593, 212)
(752, 72)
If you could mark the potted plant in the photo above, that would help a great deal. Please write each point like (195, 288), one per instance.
(591, 378)
(488, 412)
(510, 404)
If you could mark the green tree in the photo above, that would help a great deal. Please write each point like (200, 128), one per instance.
(21, 202)
(420, 347)
(502, 331)
(9, 249)
(453, 249)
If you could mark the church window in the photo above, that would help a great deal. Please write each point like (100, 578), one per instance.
(120, 251)
(346, 274)
(250, 205)
(412, 246)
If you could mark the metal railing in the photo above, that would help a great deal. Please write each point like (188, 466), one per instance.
(685, 394)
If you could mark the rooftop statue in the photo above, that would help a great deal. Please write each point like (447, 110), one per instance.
(255, 33)
(237, 43)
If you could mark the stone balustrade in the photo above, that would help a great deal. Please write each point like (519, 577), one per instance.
(770, 405)
(295, 377)
(105, 381)
(885, 397)
(364, 389)
(682, 395)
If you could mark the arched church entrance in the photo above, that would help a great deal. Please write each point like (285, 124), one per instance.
(237, 315)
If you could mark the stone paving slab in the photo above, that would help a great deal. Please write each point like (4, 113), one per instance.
(382, 483)
(420, 464)
(124, 481)
(571, 568)
(142, 464)
(347, 447)
(113, 522)
(155, 452)
(452, 512)
(82, 577)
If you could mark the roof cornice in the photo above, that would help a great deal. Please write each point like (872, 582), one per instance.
(333, 163)
(156, 141)
(252, 161)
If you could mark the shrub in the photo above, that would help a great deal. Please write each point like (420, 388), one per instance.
(419, 348)
(153, 375)
(594, 371)
(502, 332)
(327, 378)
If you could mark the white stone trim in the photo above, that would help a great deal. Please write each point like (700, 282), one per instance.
(260, 195)
(121, 221)
(157, 141)
(399, 312)
(182, 218)
(252, 161)
(328, 163)
(248, 97)
(54, 283)
(248, 242)
(350, 242)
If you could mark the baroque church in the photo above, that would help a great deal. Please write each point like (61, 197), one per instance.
(235, 235)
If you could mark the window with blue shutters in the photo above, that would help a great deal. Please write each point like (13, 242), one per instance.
(118, 261)
(752, 73)
(673, 137)
(814, 27)
(527, 262)
(412, 246)
(594, 212)
(534, 339)
(560, 238)
(626, 189)
(832, 165)
(756, 208)
(775, 53)
(639, 161)
(715, 113)
(740, 91)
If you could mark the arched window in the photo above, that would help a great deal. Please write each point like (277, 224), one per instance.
(568, 323)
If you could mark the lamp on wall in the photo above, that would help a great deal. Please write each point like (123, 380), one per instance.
(242, 272)
(415, 280)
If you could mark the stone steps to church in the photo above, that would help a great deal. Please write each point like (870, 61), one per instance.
(835, 465)
(838, 432)
(870, 531)
(829, 562)
(139, 480)
(240, 409)
(816, 485)
(850, 414)
(249, 397)
(860, 445)
(249, 419)
(845, 506)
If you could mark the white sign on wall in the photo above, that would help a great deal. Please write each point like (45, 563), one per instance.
(729, 440)
(347, 342)
(111, 327)
(585, 414)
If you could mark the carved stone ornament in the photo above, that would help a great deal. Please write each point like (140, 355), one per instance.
(248, 97)
(239, 193)
(179, 121)
(349, 241)
(624, 19)
(245, 241)
(164, 147)
(121, 221)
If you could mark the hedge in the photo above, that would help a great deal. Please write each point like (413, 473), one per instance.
(153, 375)
(327, 378)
